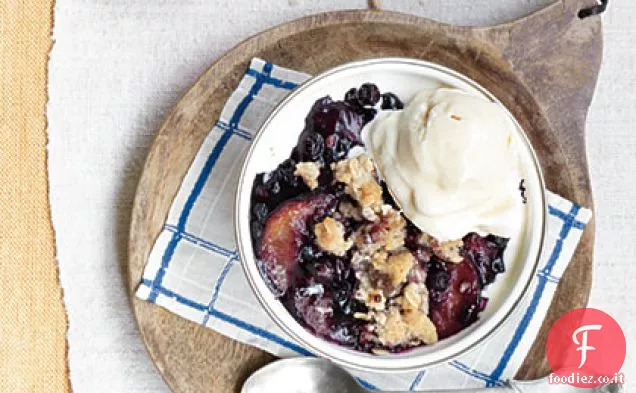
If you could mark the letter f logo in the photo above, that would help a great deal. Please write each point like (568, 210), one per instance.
(583, 344)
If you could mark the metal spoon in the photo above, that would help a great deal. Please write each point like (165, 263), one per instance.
(314, 375)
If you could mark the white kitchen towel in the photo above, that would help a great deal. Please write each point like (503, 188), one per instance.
(193, 269)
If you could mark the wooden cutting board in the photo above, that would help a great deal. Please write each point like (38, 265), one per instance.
(542, 67)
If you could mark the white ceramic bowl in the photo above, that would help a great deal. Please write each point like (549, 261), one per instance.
(274, 143)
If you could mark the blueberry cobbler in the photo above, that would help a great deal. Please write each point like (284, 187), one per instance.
(336, 247)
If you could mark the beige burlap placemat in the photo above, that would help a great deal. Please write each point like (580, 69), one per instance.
(32, 317)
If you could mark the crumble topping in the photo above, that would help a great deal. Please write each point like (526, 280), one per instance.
(420, 326)
(392, 231)
(375, 300)
(358, 175)
(394, 331)
(387, 231)
(391, 284)
(413, 297)
(406, 327)
(369, 214)
(449, 250)
(309, 172)
(330, 236)
(397, 266)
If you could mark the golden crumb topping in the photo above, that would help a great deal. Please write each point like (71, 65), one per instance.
(330, 236)
(411, 297)
(387, 232)
(375, 300)
(396, 266)
(358, 175)
(449, 251)
(309, 172)
(420, 326)
(406, 327)
(391, 284)
(414, 297)
(394, 232)
(394, 331)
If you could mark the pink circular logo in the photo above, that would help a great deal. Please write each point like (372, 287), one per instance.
(586, 348)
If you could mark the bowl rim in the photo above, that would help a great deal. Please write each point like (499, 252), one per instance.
(242, 243)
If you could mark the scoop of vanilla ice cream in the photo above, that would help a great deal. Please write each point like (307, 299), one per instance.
(450, 161)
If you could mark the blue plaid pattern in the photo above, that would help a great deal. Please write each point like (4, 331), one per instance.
(192, 269)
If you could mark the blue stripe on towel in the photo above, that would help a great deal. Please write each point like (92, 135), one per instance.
(567, 217)
(199, 241)
(180, 299)
(273, 81)
(366, 384)
(569, 222)
(477, 374)
(551, 278)
(255, 330)
(416, 381)
(217, 287)
(237, 131)
(203, 177)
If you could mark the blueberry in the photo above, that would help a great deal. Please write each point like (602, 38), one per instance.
(260, 211)
(309, 253)
(306, 254)
(346, 334)
(286, 172)
(341, 149)
(368, 114)
(486, 254)
(497, 242)
(257, 231)
(469, 315)
(287, 165)
(323, 270)
(368, 94)
(441, 281)
(498, 266)
(337, 118)
(273, 187)
(326, 175)
(261, 192)
(438, 278)
(343, 270)
(341, 296)
(391, 102)
(351, 96)
(311, 147)
(319, 106)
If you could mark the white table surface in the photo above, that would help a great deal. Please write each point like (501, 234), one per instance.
(116, 69)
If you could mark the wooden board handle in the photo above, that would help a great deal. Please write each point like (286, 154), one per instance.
(557, 55)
